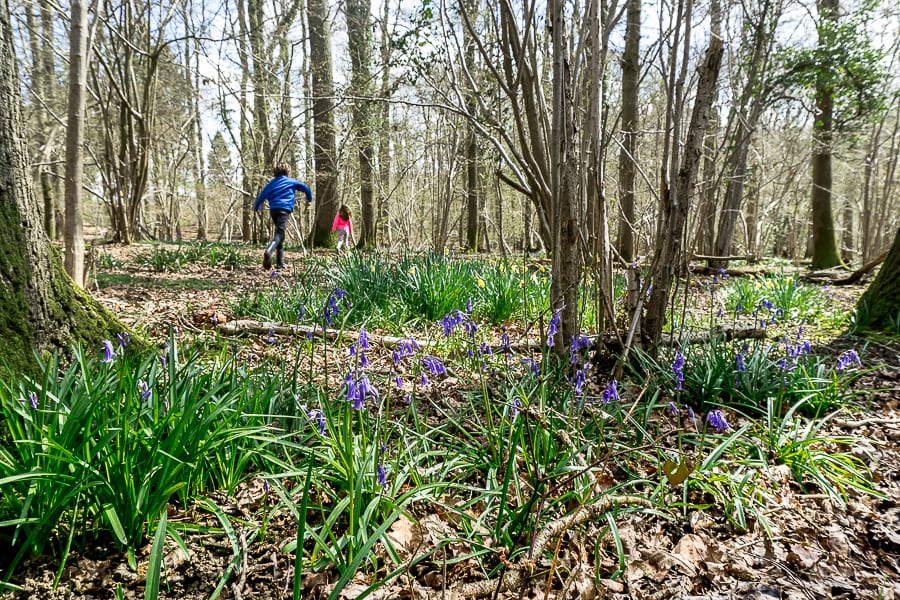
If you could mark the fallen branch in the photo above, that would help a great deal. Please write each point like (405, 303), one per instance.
(832, 277)
(514, 576)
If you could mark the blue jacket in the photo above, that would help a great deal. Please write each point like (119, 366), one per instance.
(280, 193)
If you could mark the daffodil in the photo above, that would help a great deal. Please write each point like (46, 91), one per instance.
(480, 282)
(412, 270)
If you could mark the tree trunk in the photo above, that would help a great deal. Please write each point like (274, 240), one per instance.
(879, 306)
(40, 307)
(564, 225)
(78, 38)
(671, 243)
(323, 121)
(359, 46)
(824, 242)
(631, 70)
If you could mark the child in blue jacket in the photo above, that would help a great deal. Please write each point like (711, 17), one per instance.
(280, 194)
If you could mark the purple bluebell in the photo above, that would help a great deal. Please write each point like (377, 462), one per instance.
(485, 349)
(611, 392)
(33, 400)
(271, 337)
(678, 369)
(578, 383)
(533, 365)
(363, 338)
(363, 361)
(504, 339)
(399, 381)
(382, 475)
(423, 380)
(848, 359)
(740, 367)
(124, 338)
(352, 350)
(672, 408)
(108, 352)
(434, 365)
(318, 417)
(553, 327)
(717, 421)
(144, 390)
(471, 328)
(691, 416)
(450, 321)
(469, 306)
(515, 406)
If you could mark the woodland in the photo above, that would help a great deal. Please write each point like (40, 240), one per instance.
(621, 318)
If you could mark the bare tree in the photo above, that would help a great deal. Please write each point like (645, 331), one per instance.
(78, 50)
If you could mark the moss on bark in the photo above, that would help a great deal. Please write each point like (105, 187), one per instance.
(879, 306)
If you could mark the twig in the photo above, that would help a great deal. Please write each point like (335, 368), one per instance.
(514, 577)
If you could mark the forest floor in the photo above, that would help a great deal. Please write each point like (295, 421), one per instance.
(818, 549)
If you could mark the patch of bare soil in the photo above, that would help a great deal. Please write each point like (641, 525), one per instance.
(818, 549)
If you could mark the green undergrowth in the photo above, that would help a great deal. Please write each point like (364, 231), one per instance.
(474, 421)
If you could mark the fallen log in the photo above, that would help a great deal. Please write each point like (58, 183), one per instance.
(832, 277)
(247, 326)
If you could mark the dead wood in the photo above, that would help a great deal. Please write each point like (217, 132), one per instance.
(833, 277)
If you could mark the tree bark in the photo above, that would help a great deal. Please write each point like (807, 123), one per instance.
(824, 241)
(324, 138)
(359, 46)
(78, 47)
(40, 307)
(879, 306)
(671, 243)
(631, 70)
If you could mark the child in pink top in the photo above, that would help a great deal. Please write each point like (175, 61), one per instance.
(343, 226)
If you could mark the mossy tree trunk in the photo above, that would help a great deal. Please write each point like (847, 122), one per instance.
(40, 306)
(881, 302)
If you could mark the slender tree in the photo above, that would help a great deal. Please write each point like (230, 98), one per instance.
(359, 46)
(324, 137)
(824, 242)
(628, 151)
(78, 49)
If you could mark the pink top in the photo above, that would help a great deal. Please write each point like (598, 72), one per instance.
(340, 223)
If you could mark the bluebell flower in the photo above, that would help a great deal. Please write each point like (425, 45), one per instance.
(691, 416)
(363, 338)
(637, 259)
(108, 353)
(611, 392)
(125, 338)
(533, 365)
(271, 337)
(504, 339)
(382, 475)
(399, 381)
(318, 417)
(847, 359)
(469, 306)
(672, 408)
(578, 382)
(553, 327)
(739, 363)
(471, 328)
(515, 406)
(423, 380)
(407, 399)
(33, 400)
(144, 390)
(363, 361)
(485, 349)
(717, 421)
(450, 321)
(352, 350)
(434, 366)
(678, 369)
